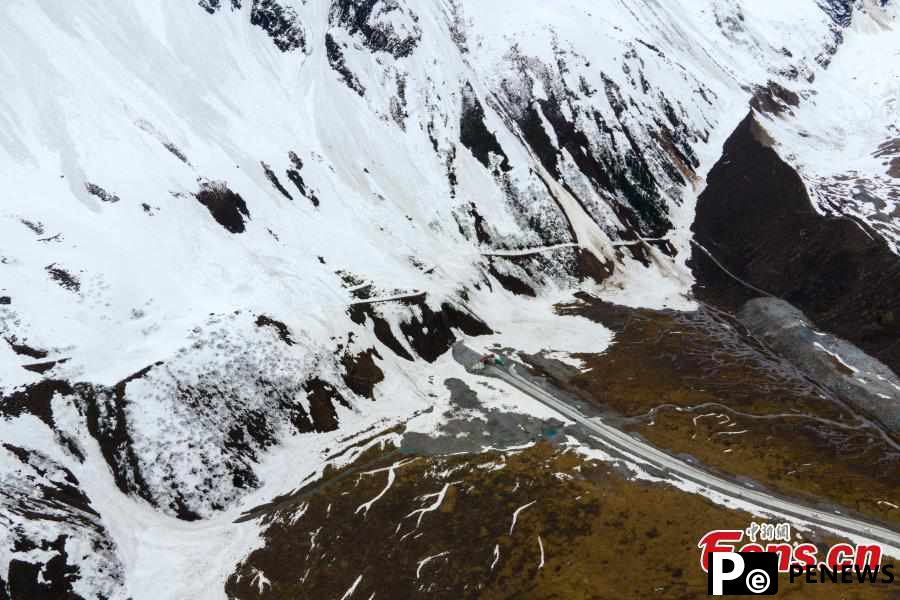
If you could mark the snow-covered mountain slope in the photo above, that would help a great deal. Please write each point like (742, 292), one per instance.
(844, 137)
(803, 202)
(204, 204)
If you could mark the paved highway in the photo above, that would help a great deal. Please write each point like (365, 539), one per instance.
(633, 448)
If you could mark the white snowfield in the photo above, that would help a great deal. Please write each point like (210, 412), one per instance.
(844, 138)
(353, 163)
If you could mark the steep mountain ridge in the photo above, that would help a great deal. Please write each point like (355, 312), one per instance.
(212, 209)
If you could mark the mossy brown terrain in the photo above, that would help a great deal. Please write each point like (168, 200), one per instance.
(697, 384)
(601, 535)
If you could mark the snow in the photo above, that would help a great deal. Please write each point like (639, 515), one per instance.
(848, 113)
(566, 358)
(352, 588)
(391, 476)
(835, 356)
(388, 298)
(260, 581)
(148, 100)
(438, 500)
(528, 251)
(532, 326)
(427, 560)
(515, 516)
(194, 558)
(493, 394)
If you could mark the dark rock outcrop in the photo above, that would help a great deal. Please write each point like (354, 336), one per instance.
(211, 6)
(361, 18)
(360, 313)
(428, 333)
(339, 64)
(756, 218)
(297, 179)
(226, 207)
(95, 190)
(60, 520)
(283, 331)
(281, 23)
(840, 11)
(63, 277)
(474, 134)
(432, 334)
(361, 373)
(273, 179)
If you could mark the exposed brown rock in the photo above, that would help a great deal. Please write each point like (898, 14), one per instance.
(756, 218)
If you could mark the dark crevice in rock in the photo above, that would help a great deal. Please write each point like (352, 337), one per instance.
(35, 400)
(36, 226)
(474, 134)
(273, 179)
(398, 103)
(53, 238)
(538, 140)
(339, 65)
(297, 179)
(450, 162)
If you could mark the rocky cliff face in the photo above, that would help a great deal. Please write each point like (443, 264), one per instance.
(756, 218)
(802, 203)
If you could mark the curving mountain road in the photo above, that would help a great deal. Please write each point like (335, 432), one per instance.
(641, 452)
